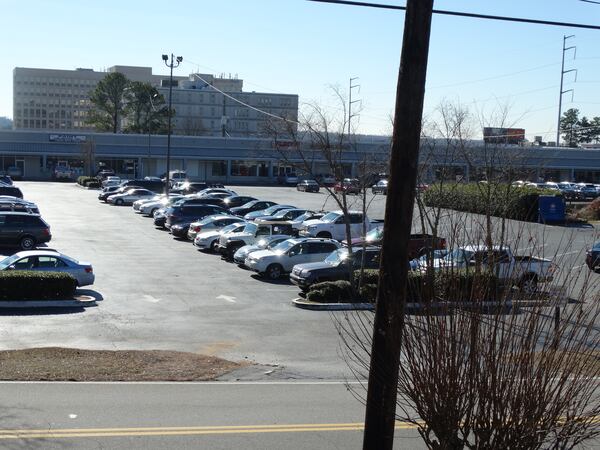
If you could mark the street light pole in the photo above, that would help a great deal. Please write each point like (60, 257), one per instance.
(171, 65)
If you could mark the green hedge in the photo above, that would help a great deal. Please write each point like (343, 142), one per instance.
(85, 180)
(93, 184)
(32, 285)
(502, 200)
(446, 285)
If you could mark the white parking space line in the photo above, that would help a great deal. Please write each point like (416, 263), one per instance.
(227, 298)
(151, 299)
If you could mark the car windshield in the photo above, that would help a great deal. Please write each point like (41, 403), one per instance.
(303, 217)
(280, 214)
(375, 234)
(249, 204)
(8, 261)
(229, 228)
(250, 228)
(271, 209)
(436, 254)
(330, 217)
(284, 247)
(337, 256)
(458, 256)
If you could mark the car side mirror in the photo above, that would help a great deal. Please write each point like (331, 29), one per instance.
(11, 267)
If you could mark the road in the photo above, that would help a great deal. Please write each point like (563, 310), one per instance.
(252, 416)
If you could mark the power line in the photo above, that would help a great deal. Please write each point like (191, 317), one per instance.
(465, 14)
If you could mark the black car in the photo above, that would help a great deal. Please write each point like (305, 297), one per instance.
(190, 213)
(203, 201)
(151, 185)
(13, 191)
(6, 180)
(251, 206)
(308, 186)
(180, 230)
(237, 200)
(335, 267)
(23, 229)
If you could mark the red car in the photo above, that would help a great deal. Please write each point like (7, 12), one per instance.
(349, 186)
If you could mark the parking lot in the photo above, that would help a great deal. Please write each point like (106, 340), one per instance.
(160, 293)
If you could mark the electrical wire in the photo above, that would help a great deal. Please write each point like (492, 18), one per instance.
(465, 14)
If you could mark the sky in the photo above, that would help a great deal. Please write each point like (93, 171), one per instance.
(305, 48)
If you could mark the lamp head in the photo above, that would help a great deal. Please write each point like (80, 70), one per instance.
(179, 59)
(165, 57)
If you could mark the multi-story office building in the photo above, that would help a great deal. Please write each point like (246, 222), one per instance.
(48, 99)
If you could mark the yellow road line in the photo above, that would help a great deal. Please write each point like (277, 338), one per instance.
(181, 431)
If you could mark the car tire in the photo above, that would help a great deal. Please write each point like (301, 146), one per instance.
(274, 272)
(152, 211)
(119, 201)
(213, 246)
(27, 243)
(324, 235)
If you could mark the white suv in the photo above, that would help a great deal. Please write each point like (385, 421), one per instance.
(282, 258)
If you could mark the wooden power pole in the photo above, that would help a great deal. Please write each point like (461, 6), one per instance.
(380, 415)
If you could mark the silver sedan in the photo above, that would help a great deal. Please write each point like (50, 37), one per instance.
(50, 261)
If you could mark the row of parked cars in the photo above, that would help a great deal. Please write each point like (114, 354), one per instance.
(270, 239)
(569, 190)
(22, 227)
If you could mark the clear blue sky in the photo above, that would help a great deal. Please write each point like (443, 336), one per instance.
(295, 46)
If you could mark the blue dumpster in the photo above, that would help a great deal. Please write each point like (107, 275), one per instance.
(551, 209)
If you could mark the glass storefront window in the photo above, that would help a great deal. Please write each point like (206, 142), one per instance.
(243, 168)
(219, 168)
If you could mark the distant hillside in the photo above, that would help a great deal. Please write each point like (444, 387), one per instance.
(5, 123)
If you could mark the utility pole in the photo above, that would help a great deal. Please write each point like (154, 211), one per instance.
(350, 102)
(380, 415)
(562, 76)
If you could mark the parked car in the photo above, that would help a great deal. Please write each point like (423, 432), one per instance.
(104, 173)
(113, 190)
(156, 186)
(380, 187)
(283, 215)
(130, 196)
(50, 261)
(190, 213)
(309, 215)
(153, 205)
(13, 191)
(265, 243)
(335, 267)
(418, 244)
(180, 230)
(592, 257)
(214, 222)
(22, 229)
(252, 232)
(282, 258)
(219, 190)
(192, 187)
(251, 206)
(427, 258)
(524, 272)
(8, 203)
(325, 179)
(237, 200)
(267, 212)
(349, 186)
(588, 190)
(6, 180)
(209, 240)
(288, 178)
(333, 226)
(308, 186)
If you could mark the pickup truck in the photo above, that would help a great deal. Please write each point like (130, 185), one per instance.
(525, 272)
(333, 226)
(230, 243)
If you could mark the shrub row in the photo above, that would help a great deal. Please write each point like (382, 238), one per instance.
(452, 285)
(88, 181)
(502, 200)
(32, 285)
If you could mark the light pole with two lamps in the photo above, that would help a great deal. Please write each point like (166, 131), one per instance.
(174, 63)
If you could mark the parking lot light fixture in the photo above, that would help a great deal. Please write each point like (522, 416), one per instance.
(173, 64)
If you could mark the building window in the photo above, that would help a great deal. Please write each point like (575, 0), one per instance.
(243, 168)
(263, 169)
(219, 168)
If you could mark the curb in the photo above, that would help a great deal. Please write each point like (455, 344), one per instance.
(79, 301)
(314, 306)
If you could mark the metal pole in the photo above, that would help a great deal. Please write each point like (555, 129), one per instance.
(167, 185)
